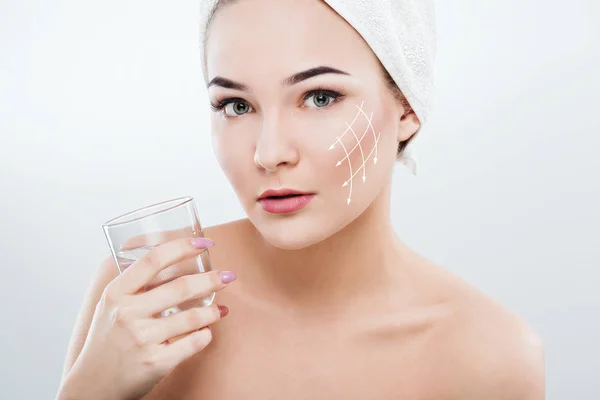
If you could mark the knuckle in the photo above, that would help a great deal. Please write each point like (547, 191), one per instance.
(150, 361)
(119, 316)
(109, 296)
(140, 337)
(151, 259)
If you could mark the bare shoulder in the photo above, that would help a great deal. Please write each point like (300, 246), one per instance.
(234, 232)
(233, 241)
(491, 352)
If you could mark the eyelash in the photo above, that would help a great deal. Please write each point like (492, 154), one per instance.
(336, 96)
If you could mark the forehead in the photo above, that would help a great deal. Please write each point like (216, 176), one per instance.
(282, 37)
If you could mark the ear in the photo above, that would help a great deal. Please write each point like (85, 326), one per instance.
(408, 125)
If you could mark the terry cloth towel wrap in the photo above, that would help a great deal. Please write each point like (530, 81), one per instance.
(401, 33)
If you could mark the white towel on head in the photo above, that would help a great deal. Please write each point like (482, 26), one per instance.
(401, 33)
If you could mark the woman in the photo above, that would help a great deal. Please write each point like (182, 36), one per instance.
(327, 303)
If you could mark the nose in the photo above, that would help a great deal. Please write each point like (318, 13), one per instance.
(274, 145)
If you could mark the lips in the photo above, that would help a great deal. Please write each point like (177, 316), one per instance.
(284, 201)
(281, 193)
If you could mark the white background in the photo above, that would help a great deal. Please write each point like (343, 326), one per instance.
(103, 109)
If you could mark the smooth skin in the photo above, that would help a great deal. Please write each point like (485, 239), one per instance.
(329, 303)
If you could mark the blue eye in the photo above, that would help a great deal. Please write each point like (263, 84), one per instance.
(237, 108)
(320, 98)
(232, 107)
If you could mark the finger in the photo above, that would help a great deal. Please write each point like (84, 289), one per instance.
(175, 326)
(190, 266)
(182, 349)
(180, 290)
(155, 238)
(150, 264)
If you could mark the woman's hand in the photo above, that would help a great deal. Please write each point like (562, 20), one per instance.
(128, 351)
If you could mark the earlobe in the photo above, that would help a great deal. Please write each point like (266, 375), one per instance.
(408, 125)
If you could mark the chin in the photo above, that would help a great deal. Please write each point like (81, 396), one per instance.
(289, 242)
(315, 223)
(292, 232)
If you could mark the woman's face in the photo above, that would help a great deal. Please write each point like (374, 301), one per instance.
(332, 134)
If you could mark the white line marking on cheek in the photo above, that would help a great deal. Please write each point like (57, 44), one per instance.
(346, 131)
(359, 145)
(362, 154)
(372, 130)
(350, 166)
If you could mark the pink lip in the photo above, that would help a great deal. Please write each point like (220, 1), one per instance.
(280, 192)
(284, 205)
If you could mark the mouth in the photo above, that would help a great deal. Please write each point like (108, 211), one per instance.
(281, 194)
(284, 201)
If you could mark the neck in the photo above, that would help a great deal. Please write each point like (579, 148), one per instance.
(357, 262)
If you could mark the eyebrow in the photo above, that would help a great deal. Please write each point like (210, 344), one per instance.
(289, 81)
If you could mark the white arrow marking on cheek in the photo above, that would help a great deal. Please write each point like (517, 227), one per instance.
(358, 142)
(372, 130)
(350, 180)
(346, 131)
(369, 156)
(359, 145)
(364, 170)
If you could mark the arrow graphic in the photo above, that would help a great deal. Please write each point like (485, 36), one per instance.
(374, 150)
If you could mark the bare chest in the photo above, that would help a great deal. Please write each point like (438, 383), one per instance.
(323, 365)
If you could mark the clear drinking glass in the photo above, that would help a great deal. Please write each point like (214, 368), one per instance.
(132, 235)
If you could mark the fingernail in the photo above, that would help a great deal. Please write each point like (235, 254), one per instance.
(201, 242)
(223, 311)
(227, 276)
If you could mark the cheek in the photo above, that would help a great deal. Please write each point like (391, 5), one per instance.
(232, 155)
(354, 157)
(222, 150)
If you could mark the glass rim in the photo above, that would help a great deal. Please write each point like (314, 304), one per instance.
(179, 201)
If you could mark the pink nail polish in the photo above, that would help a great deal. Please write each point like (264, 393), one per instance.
(201, 243)
(227, 276)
